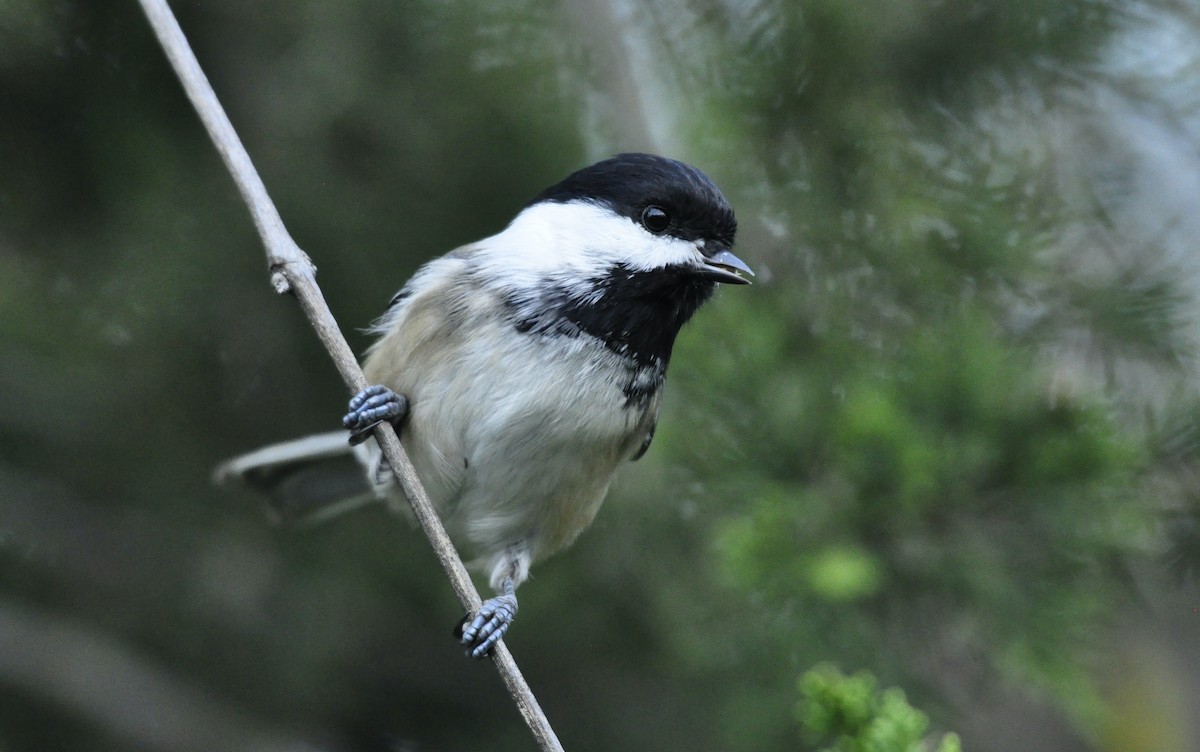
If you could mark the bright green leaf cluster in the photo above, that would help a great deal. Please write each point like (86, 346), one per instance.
(851, 714)
(936, 479)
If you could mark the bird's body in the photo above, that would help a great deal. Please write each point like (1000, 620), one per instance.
(523, 369)
(514, 447)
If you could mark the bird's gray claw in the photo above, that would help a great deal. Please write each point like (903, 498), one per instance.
(370, 407)
(489, 625)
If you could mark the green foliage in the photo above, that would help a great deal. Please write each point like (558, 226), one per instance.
(937, 476)
(851, 714)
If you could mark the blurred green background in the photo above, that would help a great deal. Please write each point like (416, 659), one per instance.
(949, 438)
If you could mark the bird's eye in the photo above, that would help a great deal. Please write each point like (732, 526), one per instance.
(655, 219)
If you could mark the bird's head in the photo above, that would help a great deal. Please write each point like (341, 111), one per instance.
(633, 214)
(625, 250)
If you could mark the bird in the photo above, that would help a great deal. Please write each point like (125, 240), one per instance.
(522, 370)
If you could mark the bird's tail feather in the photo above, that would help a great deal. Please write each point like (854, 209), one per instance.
(304, 480)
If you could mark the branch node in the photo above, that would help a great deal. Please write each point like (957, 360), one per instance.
(280, 281)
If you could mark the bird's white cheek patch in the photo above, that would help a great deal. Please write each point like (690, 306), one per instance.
(580, 239)
(657, 252)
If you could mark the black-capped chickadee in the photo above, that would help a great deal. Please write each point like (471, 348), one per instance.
(521, 370)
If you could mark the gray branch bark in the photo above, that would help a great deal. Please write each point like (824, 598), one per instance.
(292, 271)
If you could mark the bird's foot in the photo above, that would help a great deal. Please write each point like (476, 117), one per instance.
(370, 407)
(482, 633)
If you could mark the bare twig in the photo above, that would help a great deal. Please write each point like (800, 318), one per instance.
(292, 271)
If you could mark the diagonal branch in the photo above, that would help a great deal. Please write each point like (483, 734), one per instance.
(292, 271)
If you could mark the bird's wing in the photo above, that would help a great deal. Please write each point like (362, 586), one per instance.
(428, 308)
(419, 354)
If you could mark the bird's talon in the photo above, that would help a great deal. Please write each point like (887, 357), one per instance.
(489, 625)
(370, 407)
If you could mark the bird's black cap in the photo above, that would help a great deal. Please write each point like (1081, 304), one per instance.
(628, 183)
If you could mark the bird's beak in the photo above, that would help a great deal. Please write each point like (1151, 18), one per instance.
(723, 266)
